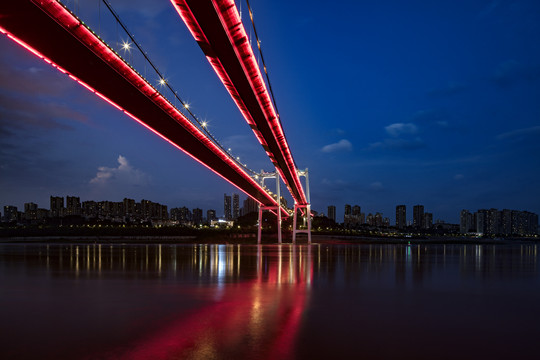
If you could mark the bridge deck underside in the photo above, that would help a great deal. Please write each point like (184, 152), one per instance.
(62, 40)
(218, 30)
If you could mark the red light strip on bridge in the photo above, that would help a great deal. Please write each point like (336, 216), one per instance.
(53, 8)
(233, 26)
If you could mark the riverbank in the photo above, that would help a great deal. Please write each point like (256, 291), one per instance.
(251, 238)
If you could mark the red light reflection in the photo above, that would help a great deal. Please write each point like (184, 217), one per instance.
(254, 319)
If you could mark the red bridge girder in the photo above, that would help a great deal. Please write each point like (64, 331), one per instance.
(218, 29)
(53, 33)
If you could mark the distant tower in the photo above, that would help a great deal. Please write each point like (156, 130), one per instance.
(481, 221)
(355, 218)
(57, 206)
(418, 216)
(401, 216)
(428, 220)
(250, 206)
(227, 207)
(197, 216)
(73, 205)
(210, 215)
(347, 215)
(332, 212)
(465, 221)
(10, 213)
(506, 222)
(235, 206)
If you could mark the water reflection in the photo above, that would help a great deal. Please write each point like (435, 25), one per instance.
(235, 301)
(251, 298)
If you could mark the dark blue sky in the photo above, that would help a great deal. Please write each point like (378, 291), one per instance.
(386, 103)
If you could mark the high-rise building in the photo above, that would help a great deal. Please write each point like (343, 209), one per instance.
(227, 207)
(182, 215)
(347, 214)
(465, 221)
(378, 220)
(90, 209)
(401, 216)
(30, 211)
(418, 216)
(10, 213)
(129, 207)
(235, 206)
(332, 212)
(210, 215)
(164, 214)
(493, 221)
(73, 205)
(197, 216)
(428, 220)
(57, 206)
(370, 219)
(250, 206)
(481, 221)
(355, 215)
(506, 222)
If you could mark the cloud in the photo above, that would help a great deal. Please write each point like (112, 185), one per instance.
(341, 145)
(488, 9)
(17, 75)
(18, 113)
(458, 177)
(29, 93)
(377, 185)
(452, 88)
(398, 129)
(509, 72)
(124, 174)
(519, 132)
(398, 144)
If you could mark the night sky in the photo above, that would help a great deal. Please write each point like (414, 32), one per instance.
(387, 102)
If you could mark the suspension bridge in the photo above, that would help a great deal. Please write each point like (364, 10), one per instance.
(52, 31)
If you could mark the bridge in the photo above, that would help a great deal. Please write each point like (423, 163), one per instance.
(49, 30)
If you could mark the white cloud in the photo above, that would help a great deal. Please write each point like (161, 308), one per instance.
(341, 145)
(124, 174)
(400, 144)
(377, 185)
(519, 132)
(399, 129)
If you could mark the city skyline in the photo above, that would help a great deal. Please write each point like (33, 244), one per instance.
(483, 221)
(402, 104)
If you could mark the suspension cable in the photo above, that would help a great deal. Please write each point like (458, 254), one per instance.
(175, 94)
(262, 59)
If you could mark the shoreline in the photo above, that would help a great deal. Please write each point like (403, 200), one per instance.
(251, 239)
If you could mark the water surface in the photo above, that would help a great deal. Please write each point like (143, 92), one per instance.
(115, 301)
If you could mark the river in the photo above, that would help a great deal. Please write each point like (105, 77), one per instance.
(324, 301)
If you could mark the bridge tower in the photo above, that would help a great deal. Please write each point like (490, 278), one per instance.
(304, 209)
(262, 177)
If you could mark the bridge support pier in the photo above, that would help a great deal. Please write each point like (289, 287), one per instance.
(305, 210)
(263, 176)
